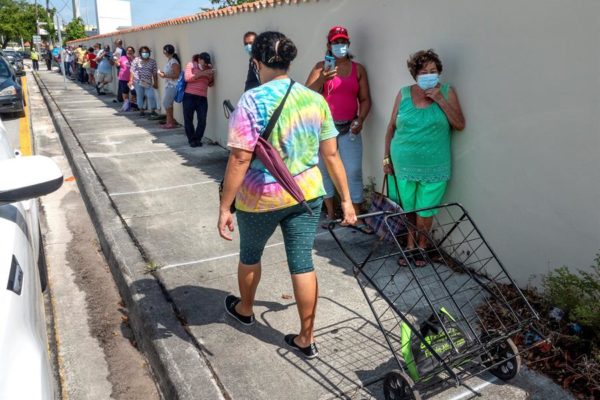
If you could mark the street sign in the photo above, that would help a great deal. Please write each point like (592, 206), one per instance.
(37, 39)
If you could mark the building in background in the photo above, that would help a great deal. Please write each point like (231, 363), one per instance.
(112, 15)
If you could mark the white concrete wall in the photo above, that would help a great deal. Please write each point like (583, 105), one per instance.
(526, 72)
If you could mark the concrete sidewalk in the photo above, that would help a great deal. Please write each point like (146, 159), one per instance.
(154, 202)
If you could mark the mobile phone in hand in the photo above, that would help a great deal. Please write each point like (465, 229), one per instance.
(329, 63)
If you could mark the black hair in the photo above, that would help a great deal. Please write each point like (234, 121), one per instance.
(141, 50)
(274, 50)
(170, 50)
(417, 61)
(90, 49)
(130, 47)
(249, 33)
(204, 56)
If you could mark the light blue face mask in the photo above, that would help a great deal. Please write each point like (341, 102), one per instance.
(248, 48)
(428, 81)
(339, 50)
(145, 55)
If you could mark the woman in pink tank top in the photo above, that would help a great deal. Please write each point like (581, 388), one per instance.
(345, 86)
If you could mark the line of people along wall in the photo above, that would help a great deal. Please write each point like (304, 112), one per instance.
(417, 152)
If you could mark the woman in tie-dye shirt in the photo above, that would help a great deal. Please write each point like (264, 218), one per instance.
(304, 130)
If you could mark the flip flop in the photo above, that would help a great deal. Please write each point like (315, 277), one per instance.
(363, 228)
(414, 256)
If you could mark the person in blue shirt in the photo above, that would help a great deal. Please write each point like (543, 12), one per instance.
(105, 69)
(56, 56)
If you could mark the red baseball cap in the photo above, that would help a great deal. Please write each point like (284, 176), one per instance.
(337, 32)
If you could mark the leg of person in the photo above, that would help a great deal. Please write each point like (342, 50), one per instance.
(106, 83)
(408, 193)
(168, 98)
(120, 97)
(299, 230)
(201, 112)
(329, 191)
(99, 82)
(350, 147)
(429, 194)
(151, 96)
(188, 116)
(255, 230)
(140, 92)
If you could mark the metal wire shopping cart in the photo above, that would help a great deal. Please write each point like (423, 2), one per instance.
(449, 318)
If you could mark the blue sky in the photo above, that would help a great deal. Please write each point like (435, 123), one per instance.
(142, 11)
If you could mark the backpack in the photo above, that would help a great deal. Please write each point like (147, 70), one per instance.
(418, 358)
(180, 88)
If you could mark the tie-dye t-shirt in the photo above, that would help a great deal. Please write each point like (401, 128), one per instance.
(304, 121)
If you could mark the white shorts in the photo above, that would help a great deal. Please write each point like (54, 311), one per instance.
(106, 78)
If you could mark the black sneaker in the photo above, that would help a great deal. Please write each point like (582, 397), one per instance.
(309, 352)
(230, 302)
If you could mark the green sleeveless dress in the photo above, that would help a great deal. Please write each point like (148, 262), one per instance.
(420, 149)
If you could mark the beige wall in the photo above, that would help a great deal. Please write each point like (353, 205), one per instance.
(526, 166)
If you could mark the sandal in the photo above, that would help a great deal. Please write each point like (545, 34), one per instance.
(414, 256)
(168, 126)
(363, 228)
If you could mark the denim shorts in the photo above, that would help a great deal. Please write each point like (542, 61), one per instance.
(350, 149)
(298, 227)
(169, 96)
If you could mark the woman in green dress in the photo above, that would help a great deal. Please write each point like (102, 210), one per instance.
(417, 144)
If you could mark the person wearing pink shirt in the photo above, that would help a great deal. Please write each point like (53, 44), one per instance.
(124, 63)
(199, 75)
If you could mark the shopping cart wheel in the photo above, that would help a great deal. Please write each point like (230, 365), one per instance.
(507, 351)
(398, 386)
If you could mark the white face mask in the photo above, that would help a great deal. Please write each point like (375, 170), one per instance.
(339, 50)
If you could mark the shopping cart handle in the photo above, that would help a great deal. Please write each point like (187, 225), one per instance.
(333, 223)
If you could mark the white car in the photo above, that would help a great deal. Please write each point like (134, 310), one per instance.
(25, 371)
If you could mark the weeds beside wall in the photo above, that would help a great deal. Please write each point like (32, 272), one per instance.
(526, 166)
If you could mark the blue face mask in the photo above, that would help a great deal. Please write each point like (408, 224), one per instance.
(248, 48)
(145, 55)
(428, 81)
(339, 50)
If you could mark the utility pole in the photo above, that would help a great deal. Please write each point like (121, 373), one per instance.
(76, 12)
(37, 27)
(62, 53)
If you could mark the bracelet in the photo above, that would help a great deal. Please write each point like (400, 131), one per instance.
(386, 161)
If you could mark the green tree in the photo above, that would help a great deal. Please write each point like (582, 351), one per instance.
(74, 30)
(18, 20)
(227, 3)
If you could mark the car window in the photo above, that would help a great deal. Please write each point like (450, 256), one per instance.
(4, 70)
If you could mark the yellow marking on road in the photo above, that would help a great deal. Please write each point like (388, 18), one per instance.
(24, 128)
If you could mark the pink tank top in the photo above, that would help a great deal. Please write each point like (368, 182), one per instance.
(341, 93)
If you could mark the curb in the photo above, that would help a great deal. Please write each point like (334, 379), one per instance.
(180, 367)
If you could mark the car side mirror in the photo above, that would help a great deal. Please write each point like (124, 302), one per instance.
(21, 73)
(26, 178)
